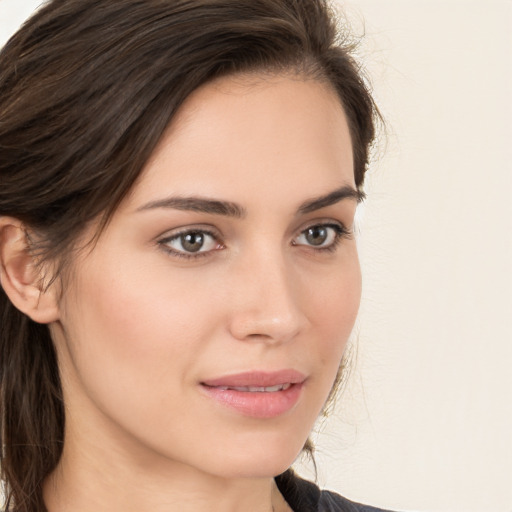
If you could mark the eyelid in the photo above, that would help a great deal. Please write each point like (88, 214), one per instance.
(336, 224)
(188, 228)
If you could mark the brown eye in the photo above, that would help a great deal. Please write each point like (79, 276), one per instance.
(321, 236)
(192, 242)
(317, 235)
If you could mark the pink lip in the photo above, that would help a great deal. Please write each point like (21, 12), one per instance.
(257, 378)
(258, 404)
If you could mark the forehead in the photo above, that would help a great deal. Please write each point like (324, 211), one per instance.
(247, 135)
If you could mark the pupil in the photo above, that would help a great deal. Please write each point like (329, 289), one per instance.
(192, 242)
(316, 235)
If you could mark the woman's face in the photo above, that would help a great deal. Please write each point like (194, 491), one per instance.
(230, 265)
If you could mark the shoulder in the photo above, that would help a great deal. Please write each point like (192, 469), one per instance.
(305, 496)
(332, 502)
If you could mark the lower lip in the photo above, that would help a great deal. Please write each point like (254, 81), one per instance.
(255, 403)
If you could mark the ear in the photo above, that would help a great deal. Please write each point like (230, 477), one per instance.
(20, 275)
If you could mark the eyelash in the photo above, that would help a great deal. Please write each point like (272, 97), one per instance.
(340, 232)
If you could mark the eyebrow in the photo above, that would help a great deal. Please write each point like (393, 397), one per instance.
(230, 209)
(345, 192)
(197, 204)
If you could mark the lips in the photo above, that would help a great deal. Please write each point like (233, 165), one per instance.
(257, 394)
(257, 379)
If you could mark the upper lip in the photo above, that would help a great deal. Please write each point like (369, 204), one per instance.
(257, 378)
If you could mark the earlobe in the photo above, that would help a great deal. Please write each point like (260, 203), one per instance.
(20, 275)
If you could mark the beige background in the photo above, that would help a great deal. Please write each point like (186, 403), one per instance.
(425, 423)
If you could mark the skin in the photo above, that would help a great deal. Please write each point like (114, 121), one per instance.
(139, 328)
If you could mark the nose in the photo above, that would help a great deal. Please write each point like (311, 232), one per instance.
(267, 301)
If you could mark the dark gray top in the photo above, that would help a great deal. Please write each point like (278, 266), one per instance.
(305, 496)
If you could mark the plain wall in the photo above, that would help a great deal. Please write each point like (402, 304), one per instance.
(426, 420)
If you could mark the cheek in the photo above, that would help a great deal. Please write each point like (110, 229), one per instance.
(141, 309)
(133, 332)
(334, 303)
(333, 312)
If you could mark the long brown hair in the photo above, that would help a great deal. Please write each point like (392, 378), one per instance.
(87, 88)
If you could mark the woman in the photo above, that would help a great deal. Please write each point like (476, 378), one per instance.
(179, 273)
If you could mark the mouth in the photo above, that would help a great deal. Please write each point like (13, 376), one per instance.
(257, 394)
(255, 389)
(257, 380)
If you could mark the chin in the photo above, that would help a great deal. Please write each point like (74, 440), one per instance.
(259, 460)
